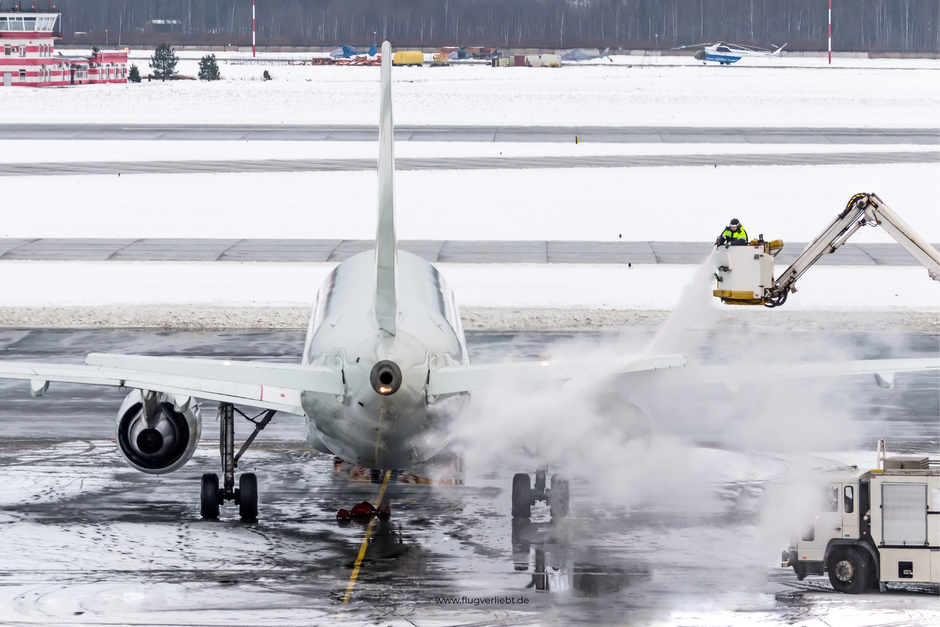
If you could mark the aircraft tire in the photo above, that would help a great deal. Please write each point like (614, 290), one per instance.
(248, 496)
(558, 497)
(521, 495)
(209, 496)
(848, 571)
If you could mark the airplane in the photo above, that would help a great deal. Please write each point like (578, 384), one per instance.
(345, 52)
(582, 54)
(383, 374)
(726, 54)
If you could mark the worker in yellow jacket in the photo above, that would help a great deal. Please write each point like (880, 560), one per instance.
(733, 235)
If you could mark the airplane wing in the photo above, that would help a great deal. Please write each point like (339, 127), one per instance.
(882, 369)
(257, 384)
(452, 379)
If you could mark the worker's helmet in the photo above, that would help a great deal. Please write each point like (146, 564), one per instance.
(734, 222)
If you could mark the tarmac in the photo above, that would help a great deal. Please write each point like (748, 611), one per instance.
(89, 541)
(461, 163)
(465, 133)
(435, 251)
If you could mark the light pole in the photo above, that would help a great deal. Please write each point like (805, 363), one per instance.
(252, 28)
(373, 38)
(106, 38)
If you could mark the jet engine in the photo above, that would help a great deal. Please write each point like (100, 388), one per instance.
(158, 433)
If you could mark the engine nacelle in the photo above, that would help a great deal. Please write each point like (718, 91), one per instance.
(158, 433)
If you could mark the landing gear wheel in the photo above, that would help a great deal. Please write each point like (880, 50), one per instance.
(558, 497)
(248, 496)
(209, 497)
(848, 571)
(521, 496)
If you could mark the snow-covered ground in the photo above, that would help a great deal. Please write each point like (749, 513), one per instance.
(633, 91)
(582, 286)
(685, 203)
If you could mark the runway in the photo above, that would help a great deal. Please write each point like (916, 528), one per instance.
(458, 133)
(89, 541)
(435, 251)
(460, 163)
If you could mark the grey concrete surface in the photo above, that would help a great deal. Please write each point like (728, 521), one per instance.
(406, 132)
(450, 251)
(89, 541)
(459, 163)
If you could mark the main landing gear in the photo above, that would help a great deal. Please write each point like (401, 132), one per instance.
(524, 496)
(246, 494)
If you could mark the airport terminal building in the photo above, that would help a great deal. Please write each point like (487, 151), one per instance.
(28, 57)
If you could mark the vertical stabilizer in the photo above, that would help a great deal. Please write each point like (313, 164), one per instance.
(386, 243)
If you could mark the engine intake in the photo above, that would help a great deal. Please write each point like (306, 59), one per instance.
(157, 433)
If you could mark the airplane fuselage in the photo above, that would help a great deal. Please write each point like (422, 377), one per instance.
(362, 426)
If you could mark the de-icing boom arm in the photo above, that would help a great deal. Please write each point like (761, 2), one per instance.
(862, 210)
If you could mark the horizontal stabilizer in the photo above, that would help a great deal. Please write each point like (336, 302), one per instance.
(453, 379)
(255, 384)
(883, 370)
(309, 378)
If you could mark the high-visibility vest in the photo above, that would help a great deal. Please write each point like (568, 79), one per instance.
(739, 234)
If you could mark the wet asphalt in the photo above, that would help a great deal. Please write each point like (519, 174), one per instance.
(87, 540)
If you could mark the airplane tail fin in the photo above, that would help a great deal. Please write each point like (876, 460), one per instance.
(386, 243)
(780, 49)
(372, 50)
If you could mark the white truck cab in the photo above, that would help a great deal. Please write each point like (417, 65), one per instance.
(874, 527)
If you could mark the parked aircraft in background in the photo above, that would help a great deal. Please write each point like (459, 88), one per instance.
(345, 52)
(584, 54)
(726, 54)
(384, 371)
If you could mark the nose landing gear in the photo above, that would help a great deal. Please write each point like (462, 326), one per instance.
(524, 496)
(246, 494)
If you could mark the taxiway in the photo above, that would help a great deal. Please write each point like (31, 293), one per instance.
(89, 541)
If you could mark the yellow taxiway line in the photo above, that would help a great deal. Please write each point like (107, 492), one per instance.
(362, 547)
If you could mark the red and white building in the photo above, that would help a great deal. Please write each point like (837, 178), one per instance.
(28, 57)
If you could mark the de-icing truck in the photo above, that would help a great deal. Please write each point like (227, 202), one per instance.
(874, 527)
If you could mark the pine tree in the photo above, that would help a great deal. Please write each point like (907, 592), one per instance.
(209, 69)
(134, 75)
(163, 62)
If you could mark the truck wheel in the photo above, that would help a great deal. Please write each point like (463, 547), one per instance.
(848, 571)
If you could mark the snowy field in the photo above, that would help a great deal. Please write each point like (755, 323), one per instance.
(584, 286)
(688, 203)
(682, 203)
(633, 91)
